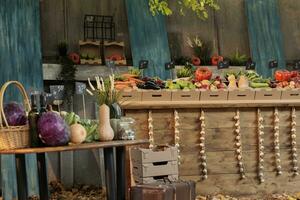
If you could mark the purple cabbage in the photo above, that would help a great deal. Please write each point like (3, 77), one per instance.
(53, 130)
(15, 114)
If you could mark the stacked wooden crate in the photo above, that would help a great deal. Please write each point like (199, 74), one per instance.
(148, 165)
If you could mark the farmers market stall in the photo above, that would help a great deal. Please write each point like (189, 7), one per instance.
(236, 141)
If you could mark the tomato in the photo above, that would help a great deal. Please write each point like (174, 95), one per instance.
(283, 75)
(203, 73)
(196, 61)
(216, 59)
(294, 74)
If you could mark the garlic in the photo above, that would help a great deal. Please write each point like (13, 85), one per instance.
(261, 154)
(202, 145)
(238, 143)
(293, 142)
(150, 129)
(177, 134)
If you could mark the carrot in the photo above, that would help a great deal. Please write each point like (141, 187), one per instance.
(135, 80)
(127, 76)
(122, 82)
(121, 87)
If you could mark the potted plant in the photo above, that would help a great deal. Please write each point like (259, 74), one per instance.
(107, 99)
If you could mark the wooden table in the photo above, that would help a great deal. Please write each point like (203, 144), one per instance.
(115, 182)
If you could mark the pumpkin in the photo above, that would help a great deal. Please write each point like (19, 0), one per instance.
(203, 73)
(196, 61)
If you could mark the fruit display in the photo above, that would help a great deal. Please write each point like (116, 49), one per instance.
(287, 79)
(213, 84)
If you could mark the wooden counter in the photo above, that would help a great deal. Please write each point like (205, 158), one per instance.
(223, 175)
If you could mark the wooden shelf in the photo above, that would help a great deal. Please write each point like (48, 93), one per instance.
(51, 71)
(73, 147)
(208, 104)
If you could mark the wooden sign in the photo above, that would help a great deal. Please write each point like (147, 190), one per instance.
(250, 65)
(223, 64)
(273, 64)
(143, 64)
(169, 65)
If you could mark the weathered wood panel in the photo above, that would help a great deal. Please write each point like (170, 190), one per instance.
(148, 38)
(20, 58)
(220, 146)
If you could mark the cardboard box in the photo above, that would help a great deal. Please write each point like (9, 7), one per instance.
(247, 94)
(157, 95)
(155, 169)
(131, 95)
(290, 94)
(185, 95)
(144, 156)
(268, 94)
(147, 180)
(211, 95)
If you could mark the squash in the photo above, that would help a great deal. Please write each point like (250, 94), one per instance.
(232, 82)
(243, 82)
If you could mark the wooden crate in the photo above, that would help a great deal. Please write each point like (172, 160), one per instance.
(155, 169)
(147, 180)
(91, 49)
(156, 95)
(144, 156)
(131, 95)
(268, 94)
(290, 94)
(247, 94)
(115, 51)
(210, 95)
(185, 95)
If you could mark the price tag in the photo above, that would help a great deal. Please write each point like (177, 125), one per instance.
(250, 65)
(273, 64)
(169, 65)
(223, 64)
(297, 65)
(143, 64)
(80, 88)
(57, 92)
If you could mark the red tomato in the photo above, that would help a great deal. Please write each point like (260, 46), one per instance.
(282, 75)
(286, 75)
(196, 61)
(216, 59)
(203, 73)
(294, 74)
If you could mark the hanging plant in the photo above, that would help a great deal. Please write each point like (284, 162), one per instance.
(150, 130)
(238, 144)
(276, 142)
(293, 143)
(200, 7)
(260, 133)
(202, 146)
(177, 135)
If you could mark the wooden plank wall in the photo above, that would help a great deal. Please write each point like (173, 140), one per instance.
(223, 176)
(20, 59)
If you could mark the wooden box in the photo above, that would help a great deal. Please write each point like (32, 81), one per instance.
(185, 95)
(290, 94)
(247, 94)
(131, 95)
(156, 95)
(90, 52)
(211, 95)
(141, 155)
(115, 51)
(267, 94)
(155, 169)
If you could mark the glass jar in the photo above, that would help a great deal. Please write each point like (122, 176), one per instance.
(126, 129)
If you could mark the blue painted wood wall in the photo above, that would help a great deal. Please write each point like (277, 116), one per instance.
(265, 34)
(20, 59)
(148, 38)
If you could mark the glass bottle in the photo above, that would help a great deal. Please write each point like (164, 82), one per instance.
(33, 117)
(43, 104)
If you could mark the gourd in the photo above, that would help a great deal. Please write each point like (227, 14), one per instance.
(106, 133)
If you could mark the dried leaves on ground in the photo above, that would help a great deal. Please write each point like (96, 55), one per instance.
(266, 197)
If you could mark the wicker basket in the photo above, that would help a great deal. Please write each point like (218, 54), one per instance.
(13, 137)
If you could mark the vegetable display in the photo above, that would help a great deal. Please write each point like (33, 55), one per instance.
(53, 130)
(15, 114)
(203, 73)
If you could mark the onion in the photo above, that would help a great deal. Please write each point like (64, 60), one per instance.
(78, 133)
